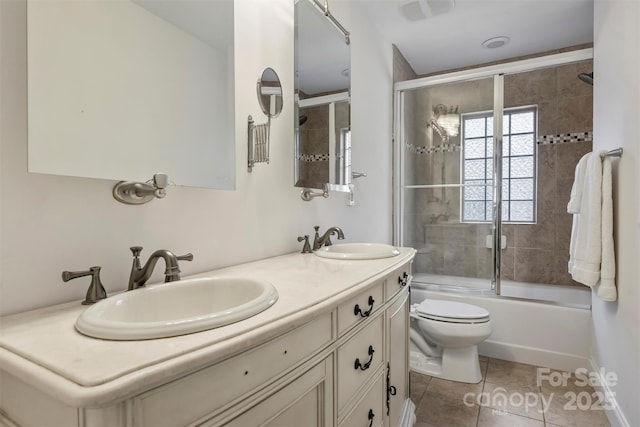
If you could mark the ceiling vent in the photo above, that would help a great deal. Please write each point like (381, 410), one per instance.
(416, 10)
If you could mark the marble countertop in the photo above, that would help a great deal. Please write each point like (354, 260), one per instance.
(42, 347)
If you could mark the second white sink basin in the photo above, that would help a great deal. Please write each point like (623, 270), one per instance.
(358, 251)
(176, 308)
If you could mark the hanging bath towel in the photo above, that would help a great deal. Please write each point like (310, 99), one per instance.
(591, 256)
(607, 289)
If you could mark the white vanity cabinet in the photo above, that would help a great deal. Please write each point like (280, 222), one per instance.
(306, 401)
(397, 329)
(345, 365)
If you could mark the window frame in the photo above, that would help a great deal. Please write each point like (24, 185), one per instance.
(506, 179)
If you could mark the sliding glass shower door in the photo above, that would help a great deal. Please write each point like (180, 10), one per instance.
(448, 188)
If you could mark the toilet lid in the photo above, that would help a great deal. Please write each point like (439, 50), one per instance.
(441, 309)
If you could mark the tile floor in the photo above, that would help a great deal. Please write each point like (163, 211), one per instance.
(508, 396)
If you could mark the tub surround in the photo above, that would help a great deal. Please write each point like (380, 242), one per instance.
(42, 349)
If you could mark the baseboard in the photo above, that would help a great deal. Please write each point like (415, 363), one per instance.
(408, 414)
(615, 415)
(533, 356)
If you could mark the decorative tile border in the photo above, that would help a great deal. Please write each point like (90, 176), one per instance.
(444, 148)
(313, 157)
(563, 138)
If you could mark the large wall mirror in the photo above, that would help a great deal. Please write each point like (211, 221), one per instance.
(322, 85)
(126, 89)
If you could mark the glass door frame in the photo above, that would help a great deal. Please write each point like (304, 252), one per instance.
(496, 72)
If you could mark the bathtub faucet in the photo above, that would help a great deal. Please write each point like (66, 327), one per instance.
(434, 218)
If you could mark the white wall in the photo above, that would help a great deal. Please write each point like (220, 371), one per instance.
(49, 223)
(616, 115)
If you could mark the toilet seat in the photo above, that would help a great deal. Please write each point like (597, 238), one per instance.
(452, 312)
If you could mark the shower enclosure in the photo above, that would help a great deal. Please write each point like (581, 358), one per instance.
(477, 188)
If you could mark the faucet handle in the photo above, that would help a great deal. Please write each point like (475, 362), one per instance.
(96, 290)
(135, 250)
(306, 248)
(187, 257)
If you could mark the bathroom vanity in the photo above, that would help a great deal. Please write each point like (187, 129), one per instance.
(332, 351)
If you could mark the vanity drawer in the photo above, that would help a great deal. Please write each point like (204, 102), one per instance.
(398, 280)
(360, 307)
(358, 359)
(220, 384)
(369, 411)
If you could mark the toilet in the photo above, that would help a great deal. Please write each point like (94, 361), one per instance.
(444, 338)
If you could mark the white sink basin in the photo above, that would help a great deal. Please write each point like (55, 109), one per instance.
(358, 251)
(176, 308)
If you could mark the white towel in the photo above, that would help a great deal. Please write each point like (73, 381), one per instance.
(578, 185)
(607, 289)
(591, 257)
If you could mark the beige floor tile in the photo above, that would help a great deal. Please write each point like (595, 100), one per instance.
(564, 412)
(416, 378)
(454, 389)
(484, 364)
(495, 418)
(513, 400)
(417, 386)
(519, 375)
(423, 424)
(558, 382)
(442, 411)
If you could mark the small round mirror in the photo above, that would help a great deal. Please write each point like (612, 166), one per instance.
(270, 93)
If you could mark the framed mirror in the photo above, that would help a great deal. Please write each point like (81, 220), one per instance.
(270, 93)
(322, 94)
(126, 89)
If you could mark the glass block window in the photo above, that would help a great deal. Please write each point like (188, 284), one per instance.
(518, 166)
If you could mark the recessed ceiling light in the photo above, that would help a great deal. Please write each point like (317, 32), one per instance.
(495, 42)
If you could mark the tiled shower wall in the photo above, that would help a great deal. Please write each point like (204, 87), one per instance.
(535, 252)
(313, 143)
(539, 252)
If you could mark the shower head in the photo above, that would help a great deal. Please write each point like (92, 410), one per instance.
(302, 119)
(586, 77)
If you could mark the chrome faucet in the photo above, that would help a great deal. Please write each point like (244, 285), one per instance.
(140, 274)
(325, 240)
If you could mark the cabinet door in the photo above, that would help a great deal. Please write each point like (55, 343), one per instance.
(306, 401)
(398, 358)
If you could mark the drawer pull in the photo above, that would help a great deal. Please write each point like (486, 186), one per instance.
(391, 390)
(371, 416)
(404, 279)
(357, 310)
(357, 365)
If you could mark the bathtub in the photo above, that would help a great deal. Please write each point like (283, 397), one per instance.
(543, 325)
(566, 296)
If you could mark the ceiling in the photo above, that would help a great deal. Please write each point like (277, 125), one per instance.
(453, 39)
